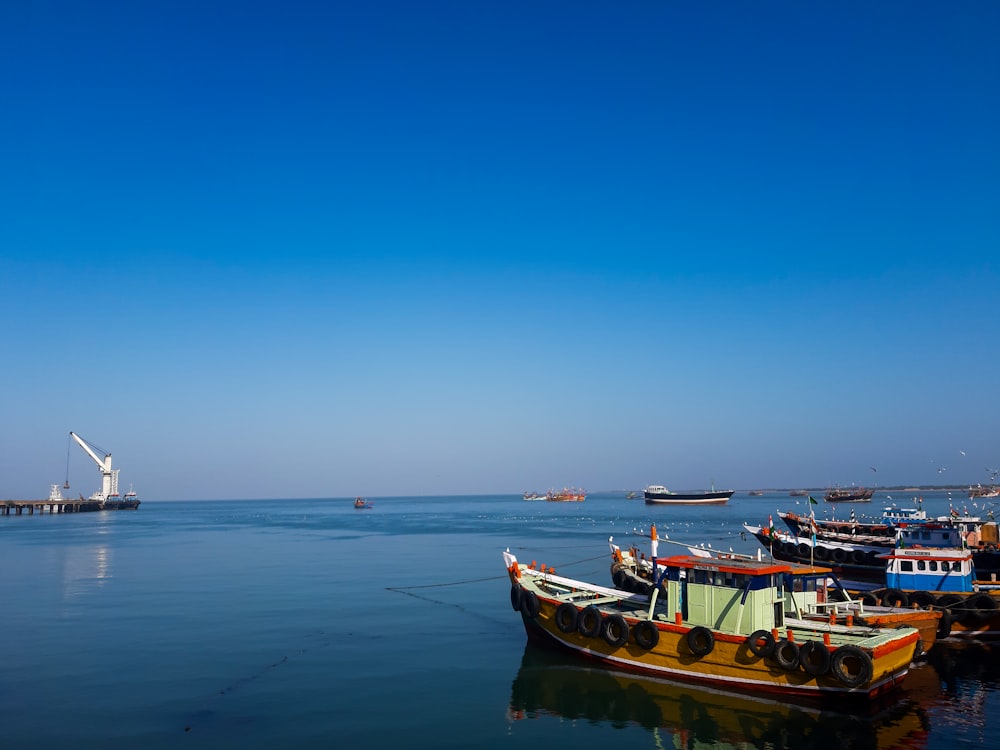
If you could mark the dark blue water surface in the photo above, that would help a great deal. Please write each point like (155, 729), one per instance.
(307, 623)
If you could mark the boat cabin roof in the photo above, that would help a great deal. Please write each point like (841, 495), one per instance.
(809, 570)
(745, 567)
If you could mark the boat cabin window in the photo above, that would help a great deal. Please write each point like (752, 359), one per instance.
(921, 565)
(945, 567)
(742, 581)
(932, 565)
(799, 584)
(906, 566)
(719, 578)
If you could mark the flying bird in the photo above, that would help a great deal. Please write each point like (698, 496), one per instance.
(873, 469)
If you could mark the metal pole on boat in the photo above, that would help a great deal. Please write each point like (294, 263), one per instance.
(653, 544)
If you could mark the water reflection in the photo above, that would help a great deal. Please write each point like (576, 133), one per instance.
(968, 694)
(84, 568)
(550, 683)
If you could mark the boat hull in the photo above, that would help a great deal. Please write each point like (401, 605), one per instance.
(687, 498)
(856, 561)
(849, 496)
(730, 664)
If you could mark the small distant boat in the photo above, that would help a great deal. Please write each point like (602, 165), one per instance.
(630, 495)
(656, 494)
(798, 493)
(567, 495)
(853, 495)
(361, 503)
(755, 493)
(983, 492)
(533, 496)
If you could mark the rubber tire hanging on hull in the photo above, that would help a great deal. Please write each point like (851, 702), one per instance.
(814, 658)
(589, 622)
(647, 635)
(786, 654)
(700, 640)
(619, 575)
(923, 599)
(851, 666)
(895, 598)
(759, 648)
(566, 617)
(615, 630)
(530, 606)
(944, 624)
(515, 597)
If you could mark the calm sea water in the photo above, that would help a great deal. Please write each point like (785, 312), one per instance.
(307, 623)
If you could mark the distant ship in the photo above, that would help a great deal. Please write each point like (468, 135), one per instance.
(567, 495)
(656, 494)
(854, 495)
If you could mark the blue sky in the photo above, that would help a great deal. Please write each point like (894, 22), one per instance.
(268, 249)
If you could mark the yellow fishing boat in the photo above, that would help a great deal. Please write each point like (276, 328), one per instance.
(714, 622)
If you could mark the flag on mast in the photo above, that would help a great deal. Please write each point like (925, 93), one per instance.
(812, 525)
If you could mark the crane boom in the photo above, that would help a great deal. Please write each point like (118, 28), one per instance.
(109, 476)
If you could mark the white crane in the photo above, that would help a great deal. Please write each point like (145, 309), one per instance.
(109, 476)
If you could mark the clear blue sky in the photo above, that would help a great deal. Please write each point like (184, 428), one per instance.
(265, 249)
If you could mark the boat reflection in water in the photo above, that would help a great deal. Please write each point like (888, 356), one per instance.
(550, 683)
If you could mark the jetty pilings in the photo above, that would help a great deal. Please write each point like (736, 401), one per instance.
(18, 507)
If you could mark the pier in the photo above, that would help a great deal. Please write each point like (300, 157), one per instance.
(62, 505)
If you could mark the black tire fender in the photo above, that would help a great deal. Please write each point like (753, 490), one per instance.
(566, 617)
(851, 666)
(895, 598)
(530, 606)
(982, 607)
(515, 597)
(944, 624)
(700, 640)
(786, 654)
(589, 622)
(647, 635)
(814, 658)
(923, 599)
(615, 630)
(954, 605)
(761, 643)
(619, 575)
